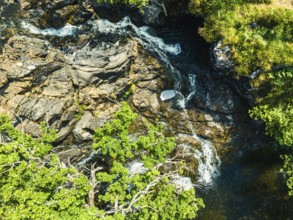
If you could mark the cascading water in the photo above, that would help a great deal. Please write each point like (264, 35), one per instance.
(67, 30)
(250, 185)
(208, 160)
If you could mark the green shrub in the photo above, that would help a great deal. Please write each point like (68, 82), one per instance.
(35, 184)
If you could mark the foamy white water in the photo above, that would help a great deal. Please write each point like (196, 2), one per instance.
(67, 30)
(182, 183)
(208, 159)
(122, 27)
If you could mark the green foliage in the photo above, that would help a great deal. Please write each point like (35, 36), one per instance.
(32, 187)
(34, 184)
(145, 194)
(81, 108)
(137, 3)
(114, 140)
(288, 171)
(208, 7)
(276, 108)
(260, 37)
(279, 121)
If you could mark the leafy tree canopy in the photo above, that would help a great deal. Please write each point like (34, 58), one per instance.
(34, 184)
(35, 187)
(148, 192)
(261, 45)
(138, 3)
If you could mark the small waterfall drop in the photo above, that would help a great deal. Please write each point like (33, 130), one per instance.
(208, 159)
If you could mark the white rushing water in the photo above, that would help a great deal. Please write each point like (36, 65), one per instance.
(121, 27)
(182, 183)
(207, 157)
(208, 160)
(67, 30)
(147, 40)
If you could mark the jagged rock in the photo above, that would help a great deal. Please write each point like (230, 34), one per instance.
(63, 133)
(152, 13)
(154, 103)
(59, 83)
(3, 80)
(94, 93)
(25, 57)
(71, 155)
(57, 13)
(69, 114)
(36, 108)
(102, 63)
(39, 83)
(78, 92)
(150, 85)
(141, 99)
(212, 94)
(30, 127)
(27, 4)
(222, 57)
(86, 126)
(56, 4)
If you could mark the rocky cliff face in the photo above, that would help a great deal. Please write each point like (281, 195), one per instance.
(75, 83)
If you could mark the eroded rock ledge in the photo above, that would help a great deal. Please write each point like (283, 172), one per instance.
(76, 92)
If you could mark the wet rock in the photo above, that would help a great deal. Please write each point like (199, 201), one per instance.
(187, 140)
(214, 95)
(157, 12)
(3, 80)
(102, 63)
(221, 57)
(152, 13)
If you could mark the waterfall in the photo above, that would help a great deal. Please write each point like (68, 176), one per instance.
(146, 39)
(208, 159)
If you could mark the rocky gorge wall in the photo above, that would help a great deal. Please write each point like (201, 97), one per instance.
(75, 83)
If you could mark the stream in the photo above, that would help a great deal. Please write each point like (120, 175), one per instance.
(244, 183)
